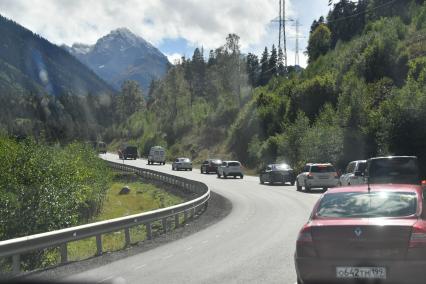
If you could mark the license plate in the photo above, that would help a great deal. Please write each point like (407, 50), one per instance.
(361, 272)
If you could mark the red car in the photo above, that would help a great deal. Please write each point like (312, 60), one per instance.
(357, 235)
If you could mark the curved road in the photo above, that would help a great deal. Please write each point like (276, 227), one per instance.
(253, 244)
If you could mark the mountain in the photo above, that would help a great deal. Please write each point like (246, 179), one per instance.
(121, 55)
(30, 63)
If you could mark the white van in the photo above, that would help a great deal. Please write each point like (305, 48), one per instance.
(157, 154)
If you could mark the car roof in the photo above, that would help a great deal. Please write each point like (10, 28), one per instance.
(358, 161)
(183, 158)
(319, 164)
(392, 157)
(232, 161)
(376, 187)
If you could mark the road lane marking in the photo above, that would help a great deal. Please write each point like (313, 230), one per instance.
(105, 279)
(188, 248)
(139, 267)
(167, 256)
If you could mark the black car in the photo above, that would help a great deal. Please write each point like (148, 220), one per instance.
(393, 169)
(277, 173)
(210, 166)
(128, 152)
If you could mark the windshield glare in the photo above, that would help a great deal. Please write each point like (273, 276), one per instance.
(367, 205)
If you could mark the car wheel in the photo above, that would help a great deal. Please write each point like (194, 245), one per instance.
(224, 175)
(298, 187)
(324, 188)
(307, 188)
(241, 176)
(218, 175)
(261, 180)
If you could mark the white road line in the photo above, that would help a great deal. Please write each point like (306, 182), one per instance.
(167, 256)
(188, 248)
(105, 279)
(139, 267)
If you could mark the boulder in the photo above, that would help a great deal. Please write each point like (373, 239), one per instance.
(124, 190)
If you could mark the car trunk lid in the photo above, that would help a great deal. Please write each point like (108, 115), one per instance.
(362, 239)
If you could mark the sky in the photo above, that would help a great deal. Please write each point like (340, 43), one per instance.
(176, 27)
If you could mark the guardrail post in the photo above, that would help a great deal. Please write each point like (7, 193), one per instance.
(127, 237)
(164, 221)
(64, 253)
(98, 244)
(193, 213)
(185, 216)
(148, 231)
(177, 220)
(16, 264)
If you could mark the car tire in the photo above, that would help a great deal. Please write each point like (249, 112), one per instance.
(298, 186)
(225, 176)
(325, 188)
(218, 175)
(307, 188)
(261, 180)
(241, 176)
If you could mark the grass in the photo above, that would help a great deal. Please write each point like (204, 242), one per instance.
(142, 198)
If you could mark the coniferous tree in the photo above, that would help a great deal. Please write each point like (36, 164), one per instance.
(253, 69)
(264, 66)
(273, 63)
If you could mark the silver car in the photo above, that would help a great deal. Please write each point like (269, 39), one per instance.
(354, 173)
(182, 164)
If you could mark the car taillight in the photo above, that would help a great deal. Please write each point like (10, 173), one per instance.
(305, 236)
(310, 176)
(418, 237)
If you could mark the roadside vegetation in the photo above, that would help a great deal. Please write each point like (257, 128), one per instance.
(142, 197)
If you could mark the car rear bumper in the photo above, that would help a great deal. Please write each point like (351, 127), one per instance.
(320, 270)
(183, 166)
(322, 183)
(233, 173)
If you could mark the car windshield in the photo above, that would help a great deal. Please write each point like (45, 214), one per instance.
(233, 164)
(367, 205)
(403, 170)
(322, 169)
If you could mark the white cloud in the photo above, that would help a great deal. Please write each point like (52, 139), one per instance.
(174, 57)
(200, 22)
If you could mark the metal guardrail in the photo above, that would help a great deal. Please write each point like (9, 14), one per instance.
(59, 239)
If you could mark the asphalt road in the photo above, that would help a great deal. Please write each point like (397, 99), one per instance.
(255, 243)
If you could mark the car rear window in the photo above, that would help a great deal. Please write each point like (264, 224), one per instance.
(402, 170)
(217, 162)
(233, 164)
(367, 205)
(282, 167)
(322, 169)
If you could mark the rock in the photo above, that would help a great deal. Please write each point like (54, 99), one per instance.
(124, 190)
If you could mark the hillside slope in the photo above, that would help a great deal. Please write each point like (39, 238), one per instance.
(37, 64)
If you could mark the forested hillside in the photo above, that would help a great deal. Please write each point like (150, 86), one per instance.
(362, 94)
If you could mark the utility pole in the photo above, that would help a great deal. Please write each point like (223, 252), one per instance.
(282, 29)
(297, 37)
(284, 36)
